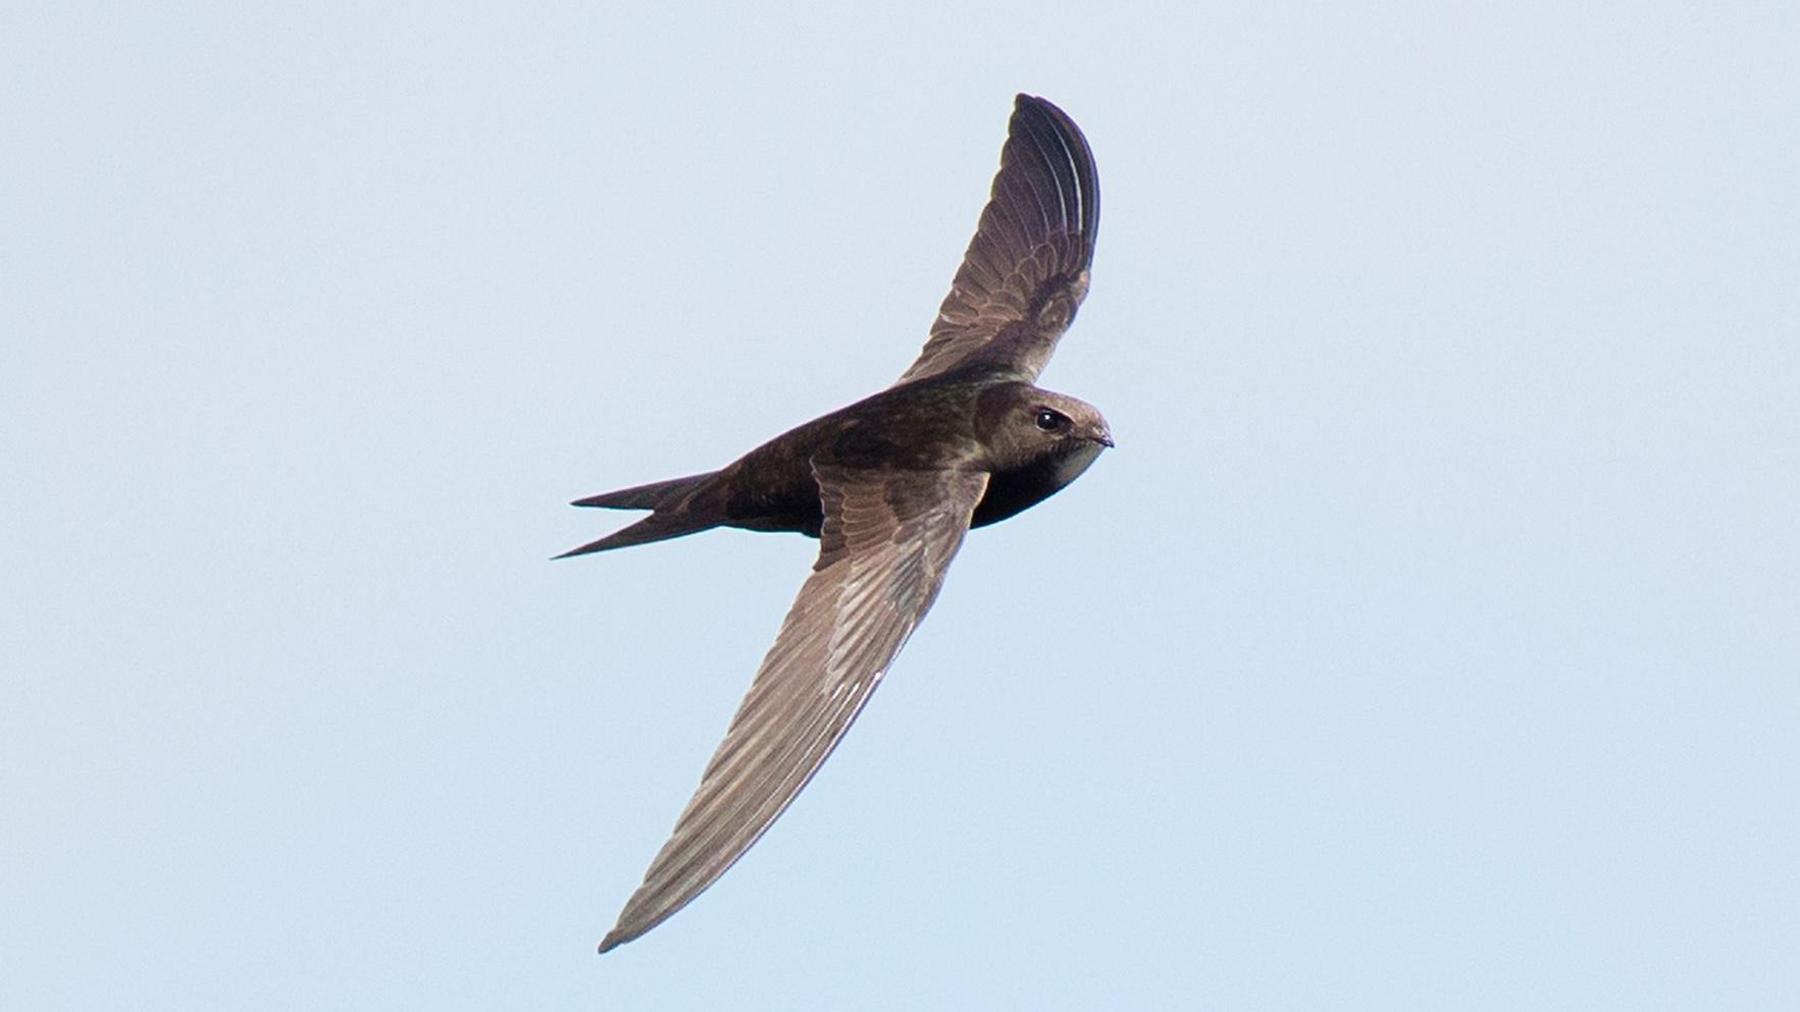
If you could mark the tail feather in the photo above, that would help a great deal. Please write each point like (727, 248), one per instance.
(655, 527)
(680, 509)
(654, 496)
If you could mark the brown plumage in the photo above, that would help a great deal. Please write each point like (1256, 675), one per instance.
(889, 486)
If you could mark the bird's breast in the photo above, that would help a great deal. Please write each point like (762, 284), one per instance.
(1016, 490)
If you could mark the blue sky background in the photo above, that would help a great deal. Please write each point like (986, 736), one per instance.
(1432, 639)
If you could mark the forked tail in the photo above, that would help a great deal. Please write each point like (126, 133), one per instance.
(682, 505)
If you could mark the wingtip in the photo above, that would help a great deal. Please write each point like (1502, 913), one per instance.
(613, 940)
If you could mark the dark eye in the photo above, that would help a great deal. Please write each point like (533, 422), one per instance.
(1051, 421)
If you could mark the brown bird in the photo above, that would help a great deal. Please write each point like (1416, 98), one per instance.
(888, 485)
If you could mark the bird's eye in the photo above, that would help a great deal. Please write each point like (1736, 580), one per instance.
(1051, 421)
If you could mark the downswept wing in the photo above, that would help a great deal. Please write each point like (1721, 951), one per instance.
(887, 540)
(1026, 270)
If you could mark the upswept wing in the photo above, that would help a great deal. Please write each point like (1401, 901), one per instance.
(887, 540)
(1026, 270)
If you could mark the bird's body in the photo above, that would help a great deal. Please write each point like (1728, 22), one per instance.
(945, 423)
(889, 485)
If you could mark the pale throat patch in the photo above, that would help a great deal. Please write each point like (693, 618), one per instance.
(1070, 465)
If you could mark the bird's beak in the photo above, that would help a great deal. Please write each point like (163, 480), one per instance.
(1104, 438)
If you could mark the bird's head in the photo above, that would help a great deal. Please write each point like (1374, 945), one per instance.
(1036, 425)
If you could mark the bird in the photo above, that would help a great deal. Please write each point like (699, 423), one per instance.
(889, 486)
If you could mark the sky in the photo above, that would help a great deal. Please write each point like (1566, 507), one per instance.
(1431, 639)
